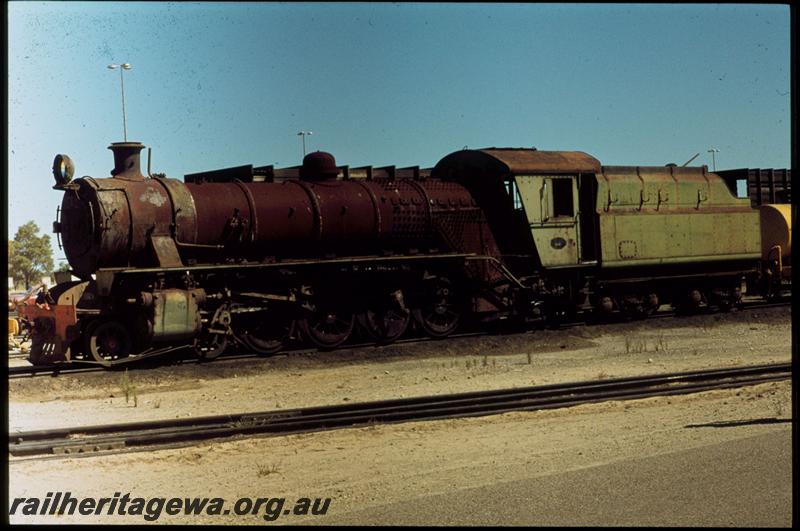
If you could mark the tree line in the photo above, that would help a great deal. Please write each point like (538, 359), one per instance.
(30, 256)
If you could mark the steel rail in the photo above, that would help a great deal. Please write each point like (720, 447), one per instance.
(91, 366)
(88, 440)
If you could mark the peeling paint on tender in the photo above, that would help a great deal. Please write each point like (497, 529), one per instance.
(151, 195)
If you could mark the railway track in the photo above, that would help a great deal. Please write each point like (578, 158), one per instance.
(88, 366)
(80, 366)
(94, 440)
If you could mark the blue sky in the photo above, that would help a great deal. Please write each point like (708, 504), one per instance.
(223, 84)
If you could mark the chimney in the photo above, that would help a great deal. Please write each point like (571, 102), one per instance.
(126, 160)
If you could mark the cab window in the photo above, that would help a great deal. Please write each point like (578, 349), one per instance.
(563, 203)
(513, 192)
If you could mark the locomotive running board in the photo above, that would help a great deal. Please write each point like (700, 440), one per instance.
(105, 277)
(330, 261)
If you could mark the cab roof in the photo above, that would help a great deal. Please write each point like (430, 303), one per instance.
(499, 161)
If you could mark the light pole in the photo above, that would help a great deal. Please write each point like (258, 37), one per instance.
(123, 66)
(303, 134)
(713, 152)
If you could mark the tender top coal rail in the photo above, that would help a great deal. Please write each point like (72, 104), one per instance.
(764, 186)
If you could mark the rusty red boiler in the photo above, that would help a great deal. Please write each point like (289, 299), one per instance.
(130, 220)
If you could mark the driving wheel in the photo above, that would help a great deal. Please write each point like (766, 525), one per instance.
(327, 328)
(440, 310)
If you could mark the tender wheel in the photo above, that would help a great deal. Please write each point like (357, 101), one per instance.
(633, 308)
(726, 299)
(640, 306)
(265, 332)
(652, 303)
(690, 302)
(108, 341)
(327, 328)
(386, 320)
(603, 307)
(440, 311)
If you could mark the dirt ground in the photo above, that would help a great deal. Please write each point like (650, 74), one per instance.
(382, 464)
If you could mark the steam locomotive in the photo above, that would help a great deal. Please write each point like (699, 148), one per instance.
(254, 256)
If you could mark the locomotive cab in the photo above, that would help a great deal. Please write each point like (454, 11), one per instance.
(547, 218)
(554, 216)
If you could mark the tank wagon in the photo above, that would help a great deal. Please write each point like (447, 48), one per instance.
(256, 255)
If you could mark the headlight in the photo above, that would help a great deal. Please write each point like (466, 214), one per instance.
(63, 170)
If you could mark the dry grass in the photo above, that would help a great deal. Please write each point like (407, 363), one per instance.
(264, 470)
(637, 345)
(129, 389)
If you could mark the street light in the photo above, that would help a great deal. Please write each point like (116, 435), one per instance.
(303, 134)
(123, 66)
(713, 152)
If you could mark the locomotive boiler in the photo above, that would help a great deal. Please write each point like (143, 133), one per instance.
(259, 256)
(242, 255)
(136, 221)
